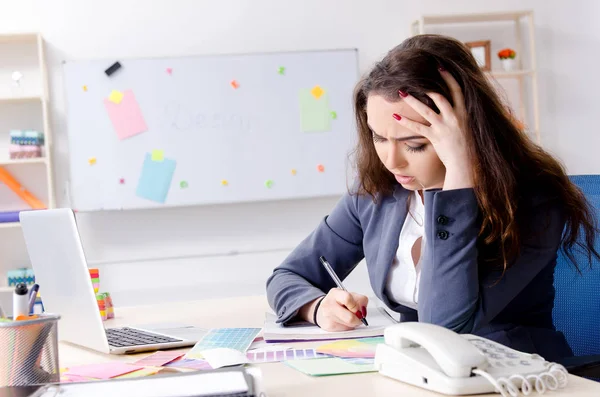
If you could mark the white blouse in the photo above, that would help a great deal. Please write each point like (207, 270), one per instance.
(403, 278)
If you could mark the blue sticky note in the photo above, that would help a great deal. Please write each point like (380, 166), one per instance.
(155, 179)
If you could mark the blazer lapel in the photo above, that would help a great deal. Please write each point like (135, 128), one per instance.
(395, 215)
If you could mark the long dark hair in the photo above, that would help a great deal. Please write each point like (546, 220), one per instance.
(507, 165)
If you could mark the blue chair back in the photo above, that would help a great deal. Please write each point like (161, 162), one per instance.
(577, 303)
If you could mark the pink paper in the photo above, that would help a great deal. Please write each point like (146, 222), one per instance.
(126, 117)
(102, 371)
(158, 359)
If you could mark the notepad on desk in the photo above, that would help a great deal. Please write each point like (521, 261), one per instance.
(378, 319)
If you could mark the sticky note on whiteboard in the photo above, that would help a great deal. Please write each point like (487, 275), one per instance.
(126, 116)
(315, 115)
(155, 179)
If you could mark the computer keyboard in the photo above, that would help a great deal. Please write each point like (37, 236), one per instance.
(123, 337)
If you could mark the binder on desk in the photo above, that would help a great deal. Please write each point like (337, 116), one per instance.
(227, 382)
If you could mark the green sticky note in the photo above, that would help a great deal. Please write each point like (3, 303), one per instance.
(281, 70)
(315, 115)
(183, 184)
(269, 183)
(329, 366)
(333, 115)
(158, 155)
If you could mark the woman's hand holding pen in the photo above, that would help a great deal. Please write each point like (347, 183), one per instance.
(340, 310)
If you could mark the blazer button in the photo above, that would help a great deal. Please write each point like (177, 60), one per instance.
(442, 234)
(442, 220)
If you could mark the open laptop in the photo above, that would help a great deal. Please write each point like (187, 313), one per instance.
(61, 270)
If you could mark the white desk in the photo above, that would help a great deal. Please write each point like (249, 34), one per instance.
(279, 379)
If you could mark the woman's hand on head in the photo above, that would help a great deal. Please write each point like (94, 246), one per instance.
(340, 310)
(446, 132)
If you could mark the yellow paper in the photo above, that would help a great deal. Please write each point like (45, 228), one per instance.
(158, 155)
(116, 97)
(92, 160)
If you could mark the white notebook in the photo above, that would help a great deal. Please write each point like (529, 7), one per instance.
(377, 318)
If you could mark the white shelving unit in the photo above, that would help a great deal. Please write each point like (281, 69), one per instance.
(25, 106)
(516, 18)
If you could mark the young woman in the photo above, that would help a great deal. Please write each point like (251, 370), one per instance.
(458, 214)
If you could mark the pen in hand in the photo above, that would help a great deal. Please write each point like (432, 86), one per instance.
(338, 282)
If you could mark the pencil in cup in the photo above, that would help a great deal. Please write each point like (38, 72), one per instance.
(339, 284)
(29, 351)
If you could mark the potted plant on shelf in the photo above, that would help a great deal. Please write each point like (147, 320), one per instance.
(507, 57)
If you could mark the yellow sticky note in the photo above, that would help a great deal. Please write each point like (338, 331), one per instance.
(317, 92)
(158, 155)
(115, 97)
(92, 160)
(224, 182)
(85, 88)
(294, 172)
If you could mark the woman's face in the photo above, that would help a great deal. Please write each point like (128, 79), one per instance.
(410, 157)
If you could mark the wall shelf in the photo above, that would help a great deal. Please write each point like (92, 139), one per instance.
(9, 225)
(515, 17)
(34, 160)
(24, 106)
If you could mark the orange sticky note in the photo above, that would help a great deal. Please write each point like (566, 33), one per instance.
(234, 84)
(317, 92)
(321, 168)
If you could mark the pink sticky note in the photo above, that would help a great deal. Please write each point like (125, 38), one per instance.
(126, 116)
(170, 70)
(102, 371)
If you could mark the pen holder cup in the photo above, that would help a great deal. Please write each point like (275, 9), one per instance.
(29, 351)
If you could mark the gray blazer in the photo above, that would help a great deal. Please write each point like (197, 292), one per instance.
(454, 290)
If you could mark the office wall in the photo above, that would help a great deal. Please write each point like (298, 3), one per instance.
(146, 256)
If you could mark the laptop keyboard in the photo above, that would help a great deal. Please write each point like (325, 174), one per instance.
(124, 337)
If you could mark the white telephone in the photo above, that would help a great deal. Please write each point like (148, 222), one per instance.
(435, 358)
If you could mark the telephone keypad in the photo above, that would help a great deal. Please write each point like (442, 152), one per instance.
(499, 356)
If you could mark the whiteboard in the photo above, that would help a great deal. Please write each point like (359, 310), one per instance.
(198, 130)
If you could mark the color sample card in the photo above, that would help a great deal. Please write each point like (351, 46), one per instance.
(329, 366)
(232, 338)
(283, 355)
(356, 348)
(102, 371)
(159, 359)
(189, 363)
(126, 116)
(155, 179)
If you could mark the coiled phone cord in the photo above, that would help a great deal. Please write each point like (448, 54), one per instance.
(554, 378)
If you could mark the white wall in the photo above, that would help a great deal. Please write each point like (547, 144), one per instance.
(122, 246)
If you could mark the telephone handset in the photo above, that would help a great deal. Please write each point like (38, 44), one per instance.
(435, 358)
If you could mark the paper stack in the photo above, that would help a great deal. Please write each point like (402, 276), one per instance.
(104, 300)
(24, 275)
(25, 144)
